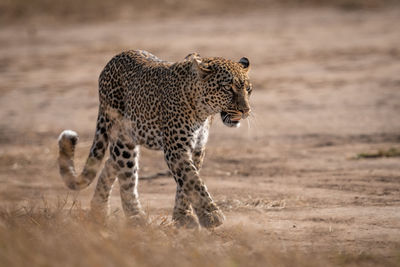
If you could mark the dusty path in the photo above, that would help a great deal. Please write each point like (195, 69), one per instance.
(327, 87)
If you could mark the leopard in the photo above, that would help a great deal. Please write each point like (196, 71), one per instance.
(160, 105)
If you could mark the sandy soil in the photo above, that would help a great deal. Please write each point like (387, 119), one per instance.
(327, 87)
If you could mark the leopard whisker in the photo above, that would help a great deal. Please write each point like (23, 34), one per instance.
(253, 119)
(232, 111)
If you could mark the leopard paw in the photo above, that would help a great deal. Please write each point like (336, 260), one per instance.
(186, 220)
(211, 219)
(139, 219)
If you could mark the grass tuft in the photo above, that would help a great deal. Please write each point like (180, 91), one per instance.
(389, 153)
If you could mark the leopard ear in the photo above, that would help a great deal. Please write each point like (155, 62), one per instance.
(244, 61)
(190, 56)
(200, 66)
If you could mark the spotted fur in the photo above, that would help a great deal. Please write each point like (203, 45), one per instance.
(145, 101)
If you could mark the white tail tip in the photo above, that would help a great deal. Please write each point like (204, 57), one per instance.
(69, 134)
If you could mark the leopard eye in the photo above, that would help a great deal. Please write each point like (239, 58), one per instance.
(228, 87)
(249, 90)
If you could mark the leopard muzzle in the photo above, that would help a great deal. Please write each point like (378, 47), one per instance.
(231, 118)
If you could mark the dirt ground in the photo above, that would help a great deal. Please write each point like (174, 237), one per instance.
(326, 88)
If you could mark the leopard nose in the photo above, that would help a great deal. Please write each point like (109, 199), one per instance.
(245, 112)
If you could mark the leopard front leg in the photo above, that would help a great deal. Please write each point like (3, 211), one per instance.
(183, 215)
(191, 190)
(198, 157)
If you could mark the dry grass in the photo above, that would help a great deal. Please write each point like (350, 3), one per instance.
(63, 235)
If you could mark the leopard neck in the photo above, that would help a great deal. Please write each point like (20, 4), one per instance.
(191, 90)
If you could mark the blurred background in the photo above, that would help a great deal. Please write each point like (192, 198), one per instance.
(320, 151)
(92, 10)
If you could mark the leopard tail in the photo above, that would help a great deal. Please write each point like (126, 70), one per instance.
(67, 142)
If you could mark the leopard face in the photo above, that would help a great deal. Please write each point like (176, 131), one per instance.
(227, 88)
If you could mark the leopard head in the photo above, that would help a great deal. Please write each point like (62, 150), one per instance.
(226, 87)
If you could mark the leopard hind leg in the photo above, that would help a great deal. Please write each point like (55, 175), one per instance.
(126, 159)
(100, 203)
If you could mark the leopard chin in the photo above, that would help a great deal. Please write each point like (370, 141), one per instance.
(228, 119)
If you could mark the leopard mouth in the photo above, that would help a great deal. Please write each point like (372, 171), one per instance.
(231, 119)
